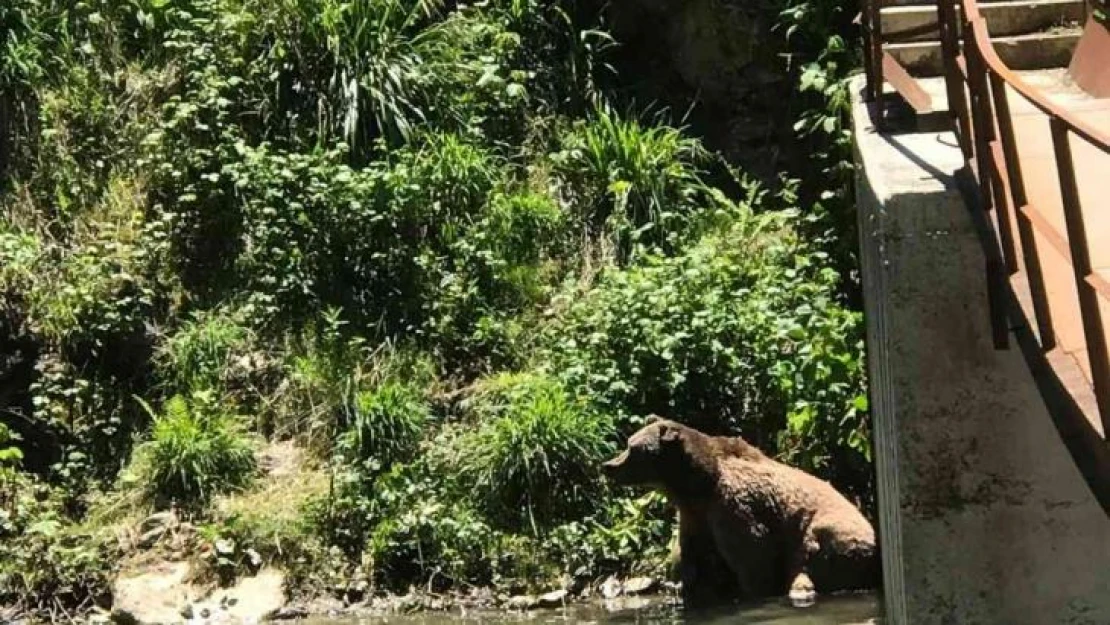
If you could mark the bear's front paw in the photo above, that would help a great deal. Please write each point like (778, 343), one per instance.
(802, 592)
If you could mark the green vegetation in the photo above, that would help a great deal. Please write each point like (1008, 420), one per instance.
(44, 557)
(194, 452)
(741, 332)
(434, 247)
(534, 452)
(632, 184)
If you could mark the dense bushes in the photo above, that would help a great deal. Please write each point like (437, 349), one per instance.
(418, 239)
(45, 563)
(318, 234)
(740, 333)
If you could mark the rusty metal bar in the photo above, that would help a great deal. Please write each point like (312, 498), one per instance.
(864, 19)
(1018, 199)
(982, 123)
(1002, 206)
(905, 85)
(1055, 240)
(911, 33)
(1100, 285)
(874, 45)
(882, 68)
(1093, 331)
(981, 117)
(954, 72)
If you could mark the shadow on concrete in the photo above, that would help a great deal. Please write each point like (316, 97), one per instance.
(1086, 446)
(1088, 449)
(943, 176)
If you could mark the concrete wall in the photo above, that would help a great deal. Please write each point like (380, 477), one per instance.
(984, 518)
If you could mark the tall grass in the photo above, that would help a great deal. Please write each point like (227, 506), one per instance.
(372, 64)
(198, 355)
(380, 76)
(533, 457)
(639, 183)
(195, 452)
(387, 425)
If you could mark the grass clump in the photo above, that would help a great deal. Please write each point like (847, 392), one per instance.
(195, 452)
(387, 426)
(636, 183)
(199, 355)
(533, 457)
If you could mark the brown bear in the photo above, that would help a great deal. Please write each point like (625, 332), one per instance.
(749, 527)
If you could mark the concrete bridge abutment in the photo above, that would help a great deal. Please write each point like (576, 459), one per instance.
(984, 516)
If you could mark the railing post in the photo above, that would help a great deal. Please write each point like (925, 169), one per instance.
(873, 51)
(980, 116)
(1093, 332)
(868, 66)
(953, 78)
(982, 123)
(1019, 200)
(1002, 210)
(868, 62)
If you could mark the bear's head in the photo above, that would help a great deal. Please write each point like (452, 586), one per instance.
(654, 456)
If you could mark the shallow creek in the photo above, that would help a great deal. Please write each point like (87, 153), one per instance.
(851, 610)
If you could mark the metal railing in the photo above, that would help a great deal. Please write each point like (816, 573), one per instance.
(979, 87)
(881, 67)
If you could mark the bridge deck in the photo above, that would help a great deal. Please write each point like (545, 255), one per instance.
(1042, 184)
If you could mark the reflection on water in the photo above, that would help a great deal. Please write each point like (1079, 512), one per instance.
(851, 610)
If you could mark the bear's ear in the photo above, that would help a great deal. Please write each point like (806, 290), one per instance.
(652, 418)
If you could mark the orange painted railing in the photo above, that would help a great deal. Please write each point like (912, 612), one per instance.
(979, 86)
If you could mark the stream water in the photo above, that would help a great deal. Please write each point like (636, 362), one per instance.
(849, 610)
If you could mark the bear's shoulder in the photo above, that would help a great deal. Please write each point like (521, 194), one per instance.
(736, 447)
